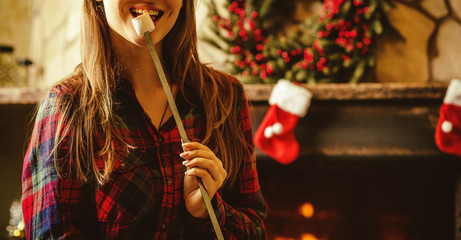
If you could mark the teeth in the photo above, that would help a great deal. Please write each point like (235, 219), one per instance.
(150, 12)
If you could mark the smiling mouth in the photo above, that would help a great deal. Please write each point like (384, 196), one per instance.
(154, 14)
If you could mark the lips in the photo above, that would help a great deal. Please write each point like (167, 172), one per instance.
(154, 14)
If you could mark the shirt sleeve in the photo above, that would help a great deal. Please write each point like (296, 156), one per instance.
(53, 207)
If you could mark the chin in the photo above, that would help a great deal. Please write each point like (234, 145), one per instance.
(140, 42)
(135, 39)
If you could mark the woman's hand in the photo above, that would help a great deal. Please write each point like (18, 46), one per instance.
(200, 162)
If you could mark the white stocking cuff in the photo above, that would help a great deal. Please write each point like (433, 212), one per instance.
(291, 98)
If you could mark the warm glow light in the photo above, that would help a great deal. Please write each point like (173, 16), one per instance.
(21, 225)
(307, 210)
(282, 238)
(17, 233)
(308, 236)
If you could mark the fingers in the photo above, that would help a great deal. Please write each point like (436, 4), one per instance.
(194, 146)
(203, 163)
(194, 150)
(195, 154)
(210, 185)
(190, 154)
(208, 165)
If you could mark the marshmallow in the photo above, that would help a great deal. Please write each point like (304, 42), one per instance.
(143, 24)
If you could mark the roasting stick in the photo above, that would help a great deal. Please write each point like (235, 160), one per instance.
(143, 25)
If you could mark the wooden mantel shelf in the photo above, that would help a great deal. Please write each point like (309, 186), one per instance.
(20, 95)
(261, 92)
(361, 91)
(367, 120)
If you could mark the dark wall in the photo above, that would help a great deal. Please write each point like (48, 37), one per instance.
(15, 123)
(371, 170)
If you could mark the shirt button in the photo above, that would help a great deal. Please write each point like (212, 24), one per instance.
(168, 181)
(122, 165)
(163, 227)
(160, 139)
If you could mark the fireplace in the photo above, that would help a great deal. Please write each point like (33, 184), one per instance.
(368, 167)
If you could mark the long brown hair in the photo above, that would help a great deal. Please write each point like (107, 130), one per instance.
(89, 108)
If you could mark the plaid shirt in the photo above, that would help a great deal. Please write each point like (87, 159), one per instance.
(144, 197)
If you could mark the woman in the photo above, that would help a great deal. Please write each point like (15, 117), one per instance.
(105, 159)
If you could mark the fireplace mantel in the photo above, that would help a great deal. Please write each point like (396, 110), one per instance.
(24, 95)
(364, 120)
(261, 92)
(361, 91)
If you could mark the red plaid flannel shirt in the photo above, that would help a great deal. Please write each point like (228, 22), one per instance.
(144, 196)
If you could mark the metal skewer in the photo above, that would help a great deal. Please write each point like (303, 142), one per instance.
(182, 131)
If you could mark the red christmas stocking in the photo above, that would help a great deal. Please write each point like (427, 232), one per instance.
(448, 131)
(275, 136)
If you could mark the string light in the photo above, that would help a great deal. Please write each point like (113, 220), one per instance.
(306, 210)
(308, 236)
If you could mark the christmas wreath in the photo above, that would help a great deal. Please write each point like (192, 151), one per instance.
(338, 45)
